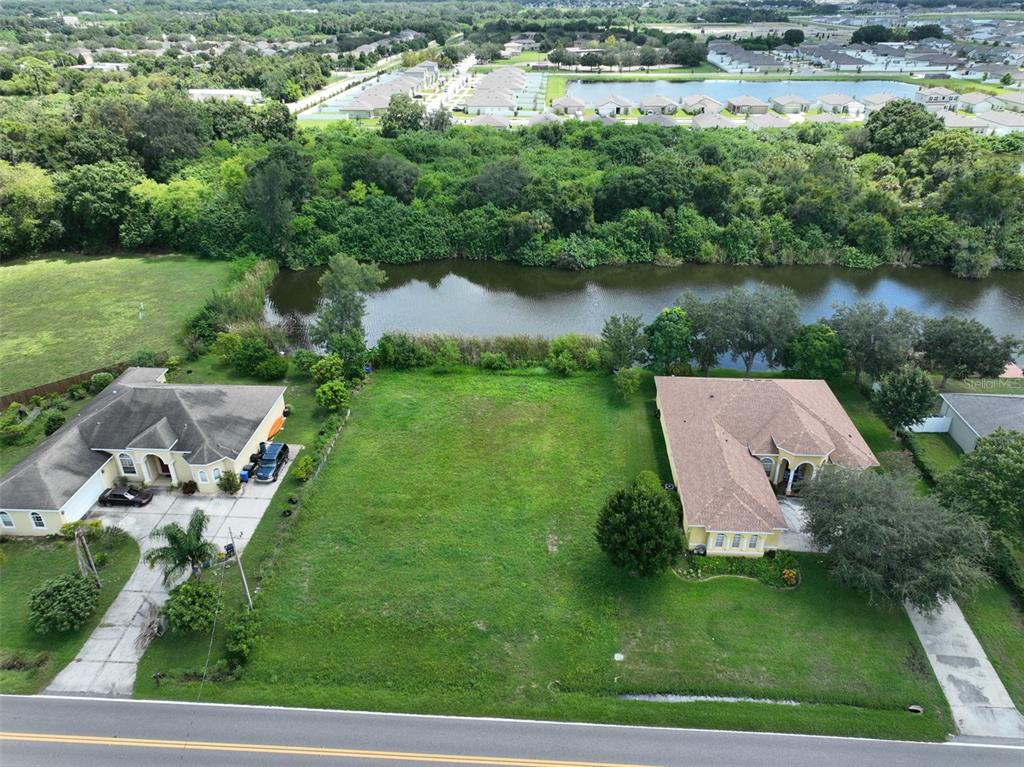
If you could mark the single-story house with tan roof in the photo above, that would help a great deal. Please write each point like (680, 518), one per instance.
(568, 105)
(657, 104)
(790, 104)
(701, 104)
(734, 443)
(746, 105)
(143, 431)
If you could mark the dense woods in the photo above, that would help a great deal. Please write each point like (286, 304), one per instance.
(222, 180)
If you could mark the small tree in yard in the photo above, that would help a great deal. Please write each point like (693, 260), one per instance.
(906, 397)
(327, 368)
(962, 347)
(192, 606)
(333, 396)
(888, 543)
(668, 339)
(627, 382)
(62, 604)
(229, 482)
(989, 482)
(184, 549)
(816, 352)
(99, 382)
(639, 527)
(623, 336)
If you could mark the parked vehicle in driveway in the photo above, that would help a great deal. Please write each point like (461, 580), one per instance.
(125, 496)
(273, 457)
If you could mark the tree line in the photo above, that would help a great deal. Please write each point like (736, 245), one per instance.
(222, 181)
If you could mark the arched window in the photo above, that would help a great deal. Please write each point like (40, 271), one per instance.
(37, 521)
(767, 463)
(127, 464)
(216, 474)
(5, 519)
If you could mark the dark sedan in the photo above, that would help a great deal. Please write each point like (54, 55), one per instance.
(125, 496)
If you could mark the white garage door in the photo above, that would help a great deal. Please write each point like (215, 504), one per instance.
(83, 500)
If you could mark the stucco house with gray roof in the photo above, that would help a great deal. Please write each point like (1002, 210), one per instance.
(969, 417)
(142, 430)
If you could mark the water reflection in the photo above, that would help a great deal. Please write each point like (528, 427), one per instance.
(488, 298)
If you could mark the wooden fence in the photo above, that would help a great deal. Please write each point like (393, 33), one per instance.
(59, 387)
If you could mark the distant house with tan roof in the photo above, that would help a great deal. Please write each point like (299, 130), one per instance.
(733, 444)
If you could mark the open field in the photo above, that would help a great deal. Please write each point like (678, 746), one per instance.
(997, 617)
(66, 315)
(445, 562)
(28, 661)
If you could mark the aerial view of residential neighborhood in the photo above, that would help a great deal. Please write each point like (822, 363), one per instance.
(516, 383)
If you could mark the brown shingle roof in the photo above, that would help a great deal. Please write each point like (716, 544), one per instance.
(716, 427)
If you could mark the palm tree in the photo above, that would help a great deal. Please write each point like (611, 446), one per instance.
(185, 548)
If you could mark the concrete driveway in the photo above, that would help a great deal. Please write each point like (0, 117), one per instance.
(795, 539)
(108, 660)
(979, 701)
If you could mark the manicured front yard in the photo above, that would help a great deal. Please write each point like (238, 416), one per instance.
(997, 617)
(28, 661)
(445, 562)
(66, 315)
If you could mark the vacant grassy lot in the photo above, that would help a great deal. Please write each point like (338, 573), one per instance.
(445, 562)
(28, 661)
(997, 617)
(62, 316)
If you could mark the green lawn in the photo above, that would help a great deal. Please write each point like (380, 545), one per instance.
(444, 562)
(28, 661)
(937, 453)
(66, 315)
(997, 618)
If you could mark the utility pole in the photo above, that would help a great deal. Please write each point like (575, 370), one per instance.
(241, 570)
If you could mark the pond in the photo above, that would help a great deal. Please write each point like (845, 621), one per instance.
(722, 90)
(489, 298)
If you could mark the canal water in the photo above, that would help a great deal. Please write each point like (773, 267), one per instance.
(491, 298)
(723, 90)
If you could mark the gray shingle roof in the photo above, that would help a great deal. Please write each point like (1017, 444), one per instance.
(987, 412)
(205, 423)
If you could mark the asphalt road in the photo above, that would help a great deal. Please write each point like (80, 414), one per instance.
(90, 732)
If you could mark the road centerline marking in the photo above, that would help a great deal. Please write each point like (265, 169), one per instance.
(284, 750)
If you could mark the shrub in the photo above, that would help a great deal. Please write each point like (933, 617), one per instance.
(53, 422)
(192, 606)
(68, 530)
(12, 432)
(229, 482)
(448, 356)
(401, 352)
(304, 360)
(304, 468)
(273, 368)
(333, 396)
(148, 359)
(99, 382)
(577, 347)
(189, 487)
(244, 633)
(627, 382)
(639, 527)
(62, 604)
(77, 392)
(561, 364)
(494, 361)
(328, 368)
(102, 559)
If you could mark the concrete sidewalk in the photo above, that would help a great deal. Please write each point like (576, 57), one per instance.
(107, 662)
(980, 704)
